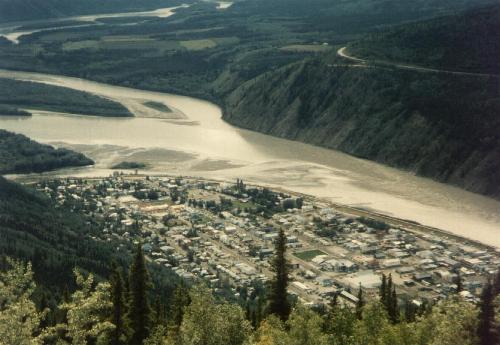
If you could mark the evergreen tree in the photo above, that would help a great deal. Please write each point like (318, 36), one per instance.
(278, 296)
(160, 315)
(334, 301)
(458, 281)
(258, 311)
(410, 311)
(486, 316)
(139, 310)
(180, 301)
(360, 304)
(383, 290)
(118, 300)
(393, 307)
(388, 293)
(496, 284)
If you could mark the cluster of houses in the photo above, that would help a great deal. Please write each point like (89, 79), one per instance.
(329, 252)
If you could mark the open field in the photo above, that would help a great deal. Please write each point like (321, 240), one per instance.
(198, 44)
(308, 255)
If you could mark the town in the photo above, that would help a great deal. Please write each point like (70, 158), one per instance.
(224, 233)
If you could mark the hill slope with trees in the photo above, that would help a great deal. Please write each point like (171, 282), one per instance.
(467, 42)
(20, 155)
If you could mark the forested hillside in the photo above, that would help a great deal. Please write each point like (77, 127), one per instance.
(58, 238)
(357, 15)
(21, 155)
(18, 10)
(466, 42)
(442, 126)
(54, 240)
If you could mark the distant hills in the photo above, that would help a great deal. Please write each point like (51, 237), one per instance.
(19, 10)
(467, 42)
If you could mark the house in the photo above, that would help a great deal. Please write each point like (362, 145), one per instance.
(389, 263)
(422, 276)
(340, 265)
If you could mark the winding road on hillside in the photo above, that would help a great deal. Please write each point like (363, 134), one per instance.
(342, 52)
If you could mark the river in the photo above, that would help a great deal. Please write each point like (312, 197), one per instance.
(194, 140)
(11, 30)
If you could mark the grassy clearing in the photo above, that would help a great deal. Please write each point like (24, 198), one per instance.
(307, 48)
(123, 42)
(225, 40)
(87, 44)
(198, 44)
(308, 255)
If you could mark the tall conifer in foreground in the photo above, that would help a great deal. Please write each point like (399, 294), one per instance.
(486, 316)
(278, 295)
(383, 290)
(180, 301)
(360, 304)
(139, 310)
(118, 300)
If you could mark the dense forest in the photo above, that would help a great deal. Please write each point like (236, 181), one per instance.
(466, 42)
(24, 94)
(20, 155)
(53, 239)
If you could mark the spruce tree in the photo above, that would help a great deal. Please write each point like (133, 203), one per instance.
(278, 295)
(486, 316)
(393, 307)
(410, 311)
(388, 292)
(118, 300)
(258, 311)
(496, 284)
(383, 290)
(360, 304)
(180, 301)
(458, 281)
(139, 310)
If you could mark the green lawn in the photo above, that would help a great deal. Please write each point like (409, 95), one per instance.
(198, 44)
(308, 255)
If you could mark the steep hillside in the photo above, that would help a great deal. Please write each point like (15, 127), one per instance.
(55, 240)
(19, 154)
(442, 126)
(466, 42)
